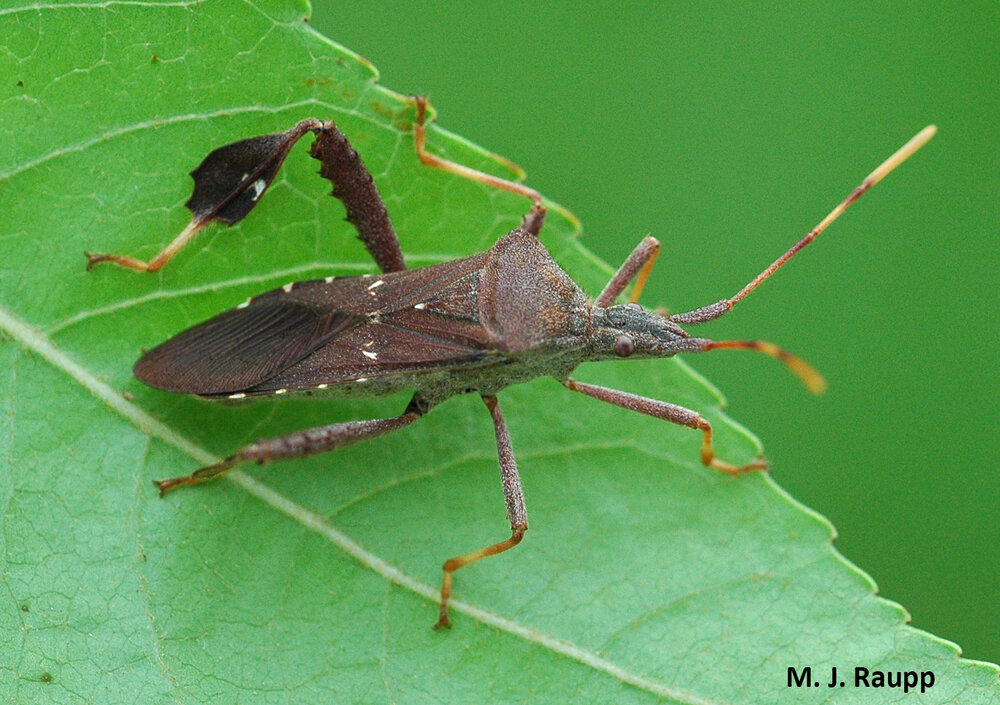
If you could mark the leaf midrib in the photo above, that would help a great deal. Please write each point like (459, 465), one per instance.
(36, 341)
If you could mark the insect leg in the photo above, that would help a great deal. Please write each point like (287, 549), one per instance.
(231, 180)
(228, 183)
(517, 515)
(354, 186)
(309, 441)
(639, 262)
(668, 412)
(153, 265)
(533, 220)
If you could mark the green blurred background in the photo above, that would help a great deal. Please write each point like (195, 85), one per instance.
(729, 130)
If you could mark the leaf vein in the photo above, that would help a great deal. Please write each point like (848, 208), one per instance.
(39, 6)
(38, 342)
(162, 121)
(221, 285)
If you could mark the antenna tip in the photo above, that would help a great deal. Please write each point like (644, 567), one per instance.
(814, 381)
(810, 377)
(901, 155)
(924, 135)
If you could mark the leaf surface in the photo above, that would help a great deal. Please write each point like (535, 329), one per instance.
(645, 576)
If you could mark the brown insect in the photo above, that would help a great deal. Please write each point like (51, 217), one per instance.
(473, 325)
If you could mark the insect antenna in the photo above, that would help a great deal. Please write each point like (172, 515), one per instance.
(713, 311)
(810, 376)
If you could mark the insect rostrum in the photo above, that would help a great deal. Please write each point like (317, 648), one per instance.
(477, 324)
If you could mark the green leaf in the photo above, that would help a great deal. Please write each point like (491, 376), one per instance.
(645, 576)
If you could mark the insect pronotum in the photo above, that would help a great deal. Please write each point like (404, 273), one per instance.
(473, 325)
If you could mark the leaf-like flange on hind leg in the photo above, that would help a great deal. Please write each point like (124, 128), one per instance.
(231, 179)
(228, 183)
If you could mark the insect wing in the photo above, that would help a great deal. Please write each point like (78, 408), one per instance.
(327, 332)
(413, 321)
(241, 347)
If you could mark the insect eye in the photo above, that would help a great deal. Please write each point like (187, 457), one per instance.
(624, 346)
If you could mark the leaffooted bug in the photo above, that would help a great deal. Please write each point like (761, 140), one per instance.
(477, 324)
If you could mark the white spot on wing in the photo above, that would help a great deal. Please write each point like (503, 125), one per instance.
(322, 386)
(287, 288)
(238, 395)
(280, 391)
(245, 303)
(361, 379)
(258, 187)
(420, 307)
(329, 280)
(377, 284)
(369, 355)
